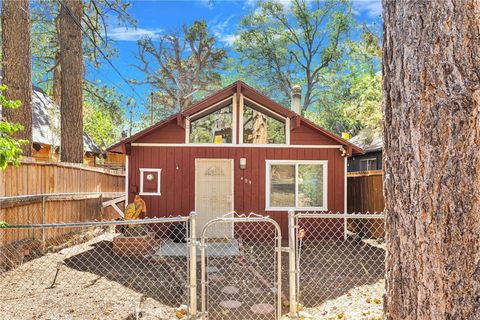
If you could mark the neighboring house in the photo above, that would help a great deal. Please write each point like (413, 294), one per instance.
(372, 144)
(237, 150)
(46, 131)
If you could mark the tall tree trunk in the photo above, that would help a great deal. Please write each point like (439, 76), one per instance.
(17, 66)
(70, 39)
(431, 87)
(57, 79)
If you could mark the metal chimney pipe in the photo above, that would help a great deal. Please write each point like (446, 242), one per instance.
(297, 99)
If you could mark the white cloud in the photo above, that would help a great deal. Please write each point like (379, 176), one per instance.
(132, 34)
(372, 7)
(249, 3)
(223, 30)
(228, 39)
(210, 4)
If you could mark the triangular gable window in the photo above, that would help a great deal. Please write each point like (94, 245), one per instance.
(259, 127)
(214, 126)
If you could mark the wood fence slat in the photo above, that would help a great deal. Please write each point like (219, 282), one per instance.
(81, 192)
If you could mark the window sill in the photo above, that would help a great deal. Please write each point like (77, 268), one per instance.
(149, 194)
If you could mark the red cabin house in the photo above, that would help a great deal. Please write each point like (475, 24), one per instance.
(237, 150)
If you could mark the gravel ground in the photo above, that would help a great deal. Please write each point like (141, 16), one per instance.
(94, 283)
(360, 303)
(26, 293)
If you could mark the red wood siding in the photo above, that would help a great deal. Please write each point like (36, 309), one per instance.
(178, 176)
(304, 135)
(170, 133)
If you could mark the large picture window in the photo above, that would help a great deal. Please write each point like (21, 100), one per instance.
(296, 185)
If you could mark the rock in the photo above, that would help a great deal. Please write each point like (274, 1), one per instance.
(262, 308)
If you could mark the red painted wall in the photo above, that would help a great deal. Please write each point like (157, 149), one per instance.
(306, 136)
(178, 185)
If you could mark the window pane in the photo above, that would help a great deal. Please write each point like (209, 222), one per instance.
(282, 185)
(363, 165)
(372, 164)
(310, 185)
(215, 127)
(258, 128)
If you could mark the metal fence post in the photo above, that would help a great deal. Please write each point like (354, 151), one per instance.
(193, 266)
(43, 222)
(292, 265)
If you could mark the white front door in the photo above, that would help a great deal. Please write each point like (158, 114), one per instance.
(214, 195)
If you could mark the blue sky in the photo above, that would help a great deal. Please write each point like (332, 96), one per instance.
(164, 16)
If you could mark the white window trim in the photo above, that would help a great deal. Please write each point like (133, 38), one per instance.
(234, 123)
(268, 164)
(240, 129)
(366, 160)
(159, 172)
(231, 145)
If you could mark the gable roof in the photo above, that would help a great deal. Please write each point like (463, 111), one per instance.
(46, 123)
(250, 93)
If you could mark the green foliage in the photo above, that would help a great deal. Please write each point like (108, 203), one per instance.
(10, 148)
(310, 43)
(298, 44)
(365, 103)
(3, 225)
(354, 94)
(100, 125)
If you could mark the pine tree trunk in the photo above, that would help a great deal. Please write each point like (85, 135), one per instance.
(57, 80)
(431, 87)
(17, 66)
(70, 39)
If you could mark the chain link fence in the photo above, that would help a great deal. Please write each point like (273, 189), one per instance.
(96, 270)
(333, 268)
(241, 270)
(340, 265)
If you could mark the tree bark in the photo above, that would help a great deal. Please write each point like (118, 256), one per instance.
(17, 66)
(57, 79)
(70, 39)
(431, 87)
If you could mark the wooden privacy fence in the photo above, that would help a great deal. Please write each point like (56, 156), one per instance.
(39, 193)
(365, 194)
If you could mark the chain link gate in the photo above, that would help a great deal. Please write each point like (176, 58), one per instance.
(241, 274)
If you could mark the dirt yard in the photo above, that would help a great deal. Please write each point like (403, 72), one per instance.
(84, 288)
(338, 280)
(360, 303)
